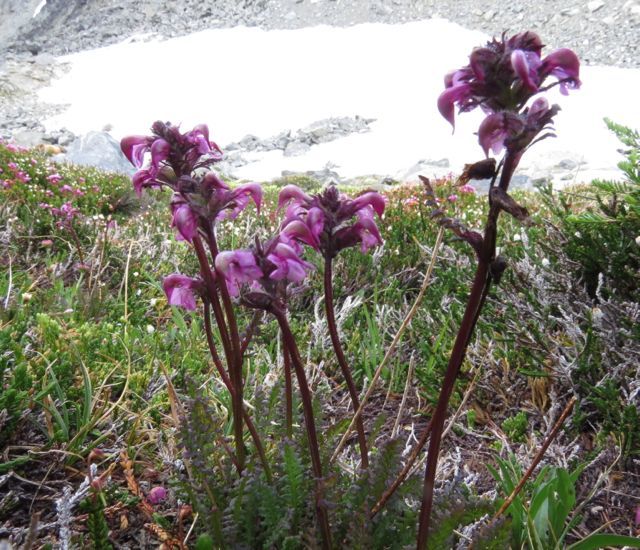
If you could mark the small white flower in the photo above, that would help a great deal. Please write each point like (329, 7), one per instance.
(578, 234)
(138, 292)
(153, 302)
(638, 240)
(150, 329)
(597, 314)
(545, 262)
(516, 237)
(135, 273)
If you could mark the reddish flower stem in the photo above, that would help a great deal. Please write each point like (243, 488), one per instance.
(235, 368)
(307, 406)
(227, 382)
(231, 352)
(475, 303)
(342, 360)
(288, 389)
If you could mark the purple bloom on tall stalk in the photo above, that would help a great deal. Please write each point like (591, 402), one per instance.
(504, 74)
(325, 221)
(181, 290)
(173, 155)
(276, 260)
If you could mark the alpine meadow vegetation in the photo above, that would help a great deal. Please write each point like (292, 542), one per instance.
(199, 363)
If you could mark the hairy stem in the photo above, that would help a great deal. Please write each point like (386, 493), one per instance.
(342, 361)
(307, 406)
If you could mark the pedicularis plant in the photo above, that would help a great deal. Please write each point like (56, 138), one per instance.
(502, 78)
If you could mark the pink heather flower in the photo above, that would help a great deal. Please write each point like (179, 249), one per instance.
(452, 198)
(466, 188)
(12, 166)
(12, 147)
(79, 192)
(181, 290)
(6, 184)
(238, 267)
(156, 495)
(66, 188)
(410, 202)
(23, 176)
(54, 178)
(46, 243)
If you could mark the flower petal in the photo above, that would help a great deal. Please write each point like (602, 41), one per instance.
(134, 148)
(525, 65)
(181, 290)
(292, 192)
(371, 198)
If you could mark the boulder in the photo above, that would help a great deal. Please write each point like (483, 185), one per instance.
(100, 150)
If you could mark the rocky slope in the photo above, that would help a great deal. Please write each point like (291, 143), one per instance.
(600, 32)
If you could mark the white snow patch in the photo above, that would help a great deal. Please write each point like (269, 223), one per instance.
(250, 81)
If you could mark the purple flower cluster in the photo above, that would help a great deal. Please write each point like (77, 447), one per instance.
(501, 78)
(173, 155)
(325, 222)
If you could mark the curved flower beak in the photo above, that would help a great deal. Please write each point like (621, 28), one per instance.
(565, 66)
(448, 99)
(134, 148)
(496, 128)
(299, 230)
(371, 198)
(159, 152)
(294, 193)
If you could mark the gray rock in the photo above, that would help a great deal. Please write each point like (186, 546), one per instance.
(28, 138)
(100, 150)
(567, 164)
(296, 148)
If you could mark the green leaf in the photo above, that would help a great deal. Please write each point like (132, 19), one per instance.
(602, 540)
